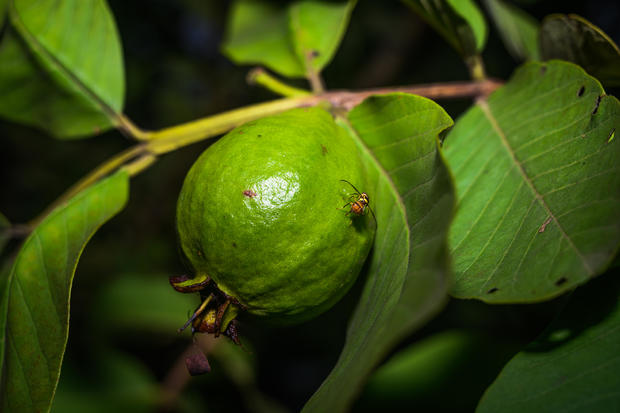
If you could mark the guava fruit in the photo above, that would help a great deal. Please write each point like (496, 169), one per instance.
(265, 221)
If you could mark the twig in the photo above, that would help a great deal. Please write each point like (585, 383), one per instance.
(259, 76)
(455, 90)
(178, 377)
(154, 143)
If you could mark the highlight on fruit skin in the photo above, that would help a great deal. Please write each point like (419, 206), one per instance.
(261, 225)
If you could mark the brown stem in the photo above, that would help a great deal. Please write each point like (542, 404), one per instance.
(178, 377)
(454, 90)
(169, 139)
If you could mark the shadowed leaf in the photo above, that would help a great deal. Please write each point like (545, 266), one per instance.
(573, 38)
(139, 303)
(460, 22)
(538, 186)
(295, 41)
(50, 79)
(573, 366)
(413, 200)
(34, 331)
(519, 30)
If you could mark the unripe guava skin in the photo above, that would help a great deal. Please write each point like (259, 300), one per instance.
(263, 213)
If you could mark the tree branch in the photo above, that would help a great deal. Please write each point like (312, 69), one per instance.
(154, 143)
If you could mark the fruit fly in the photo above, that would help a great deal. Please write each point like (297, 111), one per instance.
(359, 202)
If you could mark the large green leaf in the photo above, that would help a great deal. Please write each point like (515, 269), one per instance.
(115, 382)
(573, 38)
(518, 29)
(295, 41)
(65, 74)
(536, 170)
(413, 199)
(34, 331)
(153, 305)
(460, 362)
(460, 22)
(574, 365)
(3, 10)
(30, 96)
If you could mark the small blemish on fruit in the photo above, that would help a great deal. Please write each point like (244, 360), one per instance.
(544, 225)
(323, 150)
(596, 105)
(314, 54)
(249, 193)
(581, 90)
(259, 136)
(561, 281)
(492, 290)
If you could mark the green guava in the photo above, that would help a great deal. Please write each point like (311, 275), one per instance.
(264, 220)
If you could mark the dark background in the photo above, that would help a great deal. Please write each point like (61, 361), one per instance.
(174, 74)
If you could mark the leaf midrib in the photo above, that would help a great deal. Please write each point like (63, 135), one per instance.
(486, 110)
(109, 111)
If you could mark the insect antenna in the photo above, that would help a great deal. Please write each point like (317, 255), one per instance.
(344, 180)
(372, 212)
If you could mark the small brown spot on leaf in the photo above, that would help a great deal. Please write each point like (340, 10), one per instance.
(544, 225)
(596, 105)
(561, 281)
(314, 54)
(234, 244)
(543, 69)
(323, 150)
(249, 193)
(492, 290)
(259, 135)
(581, 90)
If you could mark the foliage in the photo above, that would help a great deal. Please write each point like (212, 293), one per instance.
(514, 202)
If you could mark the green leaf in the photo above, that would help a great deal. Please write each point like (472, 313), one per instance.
(295, 42)
(538, 186)
(573, 38)
(4, 4)
(518, 29)
(34, 332)
(31, 97)
(460, 362)
(142, 303)
(412, 196)
(65, 74)
(573, 366)
(460, 22)
(115, 382)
